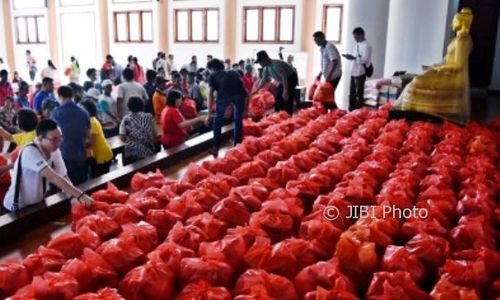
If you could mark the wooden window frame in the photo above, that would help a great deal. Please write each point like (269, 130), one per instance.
(141, 32)
(190, 11)
(325, 9)
(36, 17)
(277, 38)
(128, 2)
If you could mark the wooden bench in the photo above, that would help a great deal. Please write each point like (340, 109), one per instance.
(12, 225)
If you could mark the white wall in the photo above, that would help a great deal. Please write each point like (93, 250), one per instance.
(3, 50)
(184, 51)
(145, 52)
(416, 34)
(82, 42)
(495, 79)
(372, 17)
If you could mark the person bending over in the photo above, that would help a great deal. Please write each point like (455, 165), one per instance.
(175, 129)
(39, 164)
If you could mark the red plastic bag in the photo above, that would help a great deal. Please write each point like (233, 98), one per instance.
(188, 108)
(356, 259)
(80, 271)
(202, 290)
(397, 284)
(55, 286)
(143, 234)
(163, 220)
(430, 249)
(89, 238)
(202, 196)
(325, 274)
(312, 89)
(208, 223)
(214, 272)
(44, 260)
(220, 184)
(124, 213)
(322, 232)
(472, 233)
(171, 254)
(102, 272)
(248, 233)
(151, 179)
(445, 290)
(13, 276)
(184, 207)
(256, 168)
(102, 294)
(276, 224)
(238, 152)
(188, 236)
(412, 227)
(323, 294)
(265, 284)
(269, 183)
(68, 243)
(258, 255)
(100, 223)
(250, 128)
(79, 210)
(230, 249)
(195, 174)
(153, 280)
(122, 255)
(292, 255)
(283, 173)
(399, 259)
(144, 203)
(231, 211)
(110, 195)
(251, 195)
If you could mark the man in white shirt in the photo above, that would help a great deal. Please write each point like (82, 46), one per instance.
(127, 90)
(170, 65)
(361, 58)
(162, 64)
(331, 67)
(38, 164)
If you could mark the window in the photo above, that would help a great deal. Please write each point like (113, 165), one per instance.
(133, 26)
(197, 25)
(273, 24)
(28, 4)
(332, 22)
(30, 29)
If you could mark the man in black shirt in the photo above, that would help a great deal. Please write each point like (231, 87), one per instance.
(230, 90)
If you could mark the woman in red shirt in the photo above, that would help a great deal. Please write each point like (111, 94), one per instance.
(175, 129)
(248, 79)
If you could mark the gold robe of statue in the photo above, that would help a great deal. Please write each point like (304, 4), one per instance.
(443, 89)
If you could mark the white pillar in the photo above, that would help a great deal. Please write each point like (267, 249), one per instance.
(416, 34)
(372, 17)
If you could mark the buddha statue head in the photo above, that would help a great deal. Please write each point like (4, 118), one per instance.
(462, 21)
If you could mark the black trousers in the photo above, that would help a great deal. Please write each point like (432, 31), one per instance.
(287, 105)
(97, 170)
(357, 92)
(334, 83)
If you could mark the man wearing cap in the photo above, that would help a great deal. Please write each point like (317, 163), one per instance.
(284, 74)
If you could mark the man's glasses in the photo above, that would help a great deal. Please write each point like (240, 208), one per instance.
(56, 140)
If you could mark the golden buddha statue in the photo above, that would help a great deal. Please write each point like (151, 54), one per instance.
(443, 89)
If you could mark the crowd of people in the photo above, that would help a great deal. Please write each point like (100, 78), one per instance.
(159, 106)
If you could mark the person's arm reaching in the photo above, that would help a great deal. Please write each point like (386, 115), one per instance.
(5, 134)
(192, 122)
(66, 186)
(211, 97)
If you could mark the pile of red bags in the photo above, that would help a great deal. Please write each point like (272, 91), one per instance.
(276, 218)
(260, 103)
